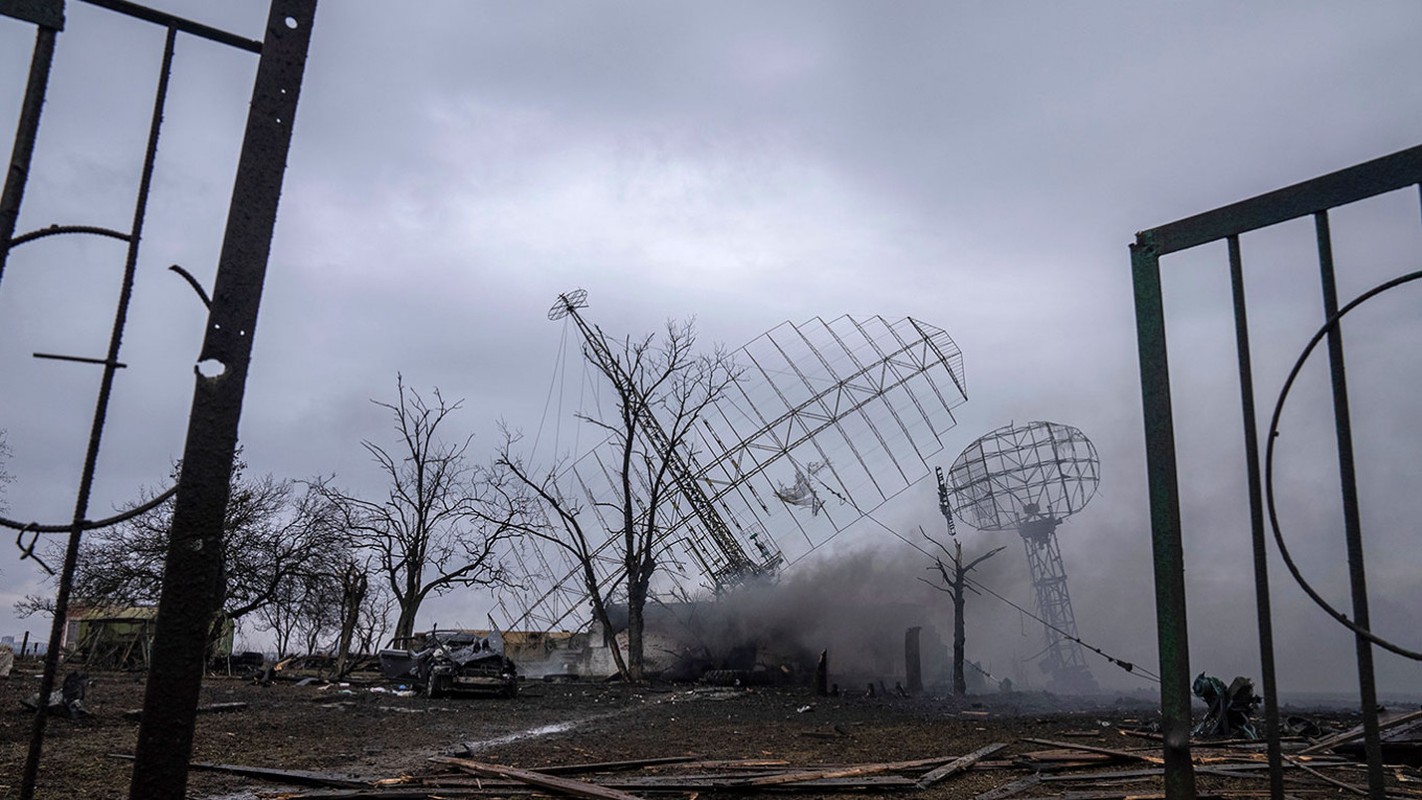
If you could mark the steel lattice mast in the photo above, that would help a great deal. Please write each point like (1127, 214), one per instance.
(1030, 479)
(1063, 658)
(738, 564)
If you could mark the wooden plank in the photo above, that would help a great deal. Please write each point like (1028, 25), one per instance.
(1347, 787)
(849, 771)
(539, 779)
(413, 793)
(697, 783)
(1123, 754)
(959, 764)
(1133, 773)
(1357, 732)
(743, 763)
(299, 777)
(1065, 755)
(398, 793)
(614, 766)
(1009, 789)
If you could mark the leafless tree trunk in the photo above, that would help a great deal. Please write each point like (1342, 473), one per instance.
(354, 587)
(661, 388)
(541, 510)
(955, 583)
(424, 534)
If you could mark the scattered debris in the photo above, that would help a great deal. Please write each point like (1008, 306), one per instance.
(1066, 771)
(542, 780)
(69, 700)
(1230, 707)
(1401, 740)
(213, 708)
(958, 765)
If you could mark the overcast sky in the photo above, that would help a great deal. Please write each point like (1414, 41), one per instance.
(979, 166)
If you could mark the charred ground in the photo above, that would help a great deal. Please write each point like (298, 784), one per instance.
(373, 735)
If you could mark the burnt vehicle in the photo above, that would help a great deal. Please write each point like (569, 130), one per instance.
(442, 662)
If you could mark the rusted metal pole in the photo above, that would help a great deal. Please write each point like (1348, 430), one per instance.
(193, 577)
(96, 431)
(1262, 605)
(1171, 629)
(1352, 516)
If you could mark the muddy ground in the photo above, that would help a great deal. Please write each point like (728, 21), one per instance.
(372, 735)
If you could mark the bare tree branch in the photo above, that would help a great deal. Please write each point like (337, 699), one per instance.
(425, 534)
(661, 388)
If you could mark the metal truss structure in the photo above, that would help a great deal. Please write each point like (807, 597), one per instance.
(828, 421)
(1030, 479)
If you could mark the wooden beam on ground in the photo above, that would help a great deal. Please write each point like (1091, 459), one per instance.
(404, 793)
(743, 763)
(614, 766)
(298, 777)
(711, 783)
(1122, 754)
(539, 779)
(1009, 789)
(849, 771)
(958, 765)
(1357, 733)
(1347, 787)
(1095, 776)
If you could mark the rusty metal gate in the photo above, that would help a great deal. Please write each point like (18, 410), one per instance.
(1313, 198)
(193, 569)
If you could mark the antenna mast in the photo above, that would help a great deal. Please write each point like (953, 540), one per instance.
(737, 564)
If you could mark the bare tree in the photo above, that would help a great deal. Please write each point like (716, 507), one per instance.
(372, 619)
(306, 606)
(425, 534)
(275, 534)
(661, 388)
(955, 581)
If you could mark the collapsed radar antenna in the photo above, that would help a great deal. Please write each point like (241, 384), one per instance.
(828, 420)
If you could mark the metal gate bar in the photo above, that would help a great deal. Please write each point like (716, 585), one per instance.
(1314, 197)
(166, 731)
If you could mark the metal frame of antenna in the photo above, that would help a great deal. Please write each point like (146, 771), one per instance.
(737, 565)
(829, 420)
(1030, 479)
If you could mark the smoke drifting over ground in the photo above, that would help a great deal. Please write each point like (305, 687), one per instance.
(856, 605)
